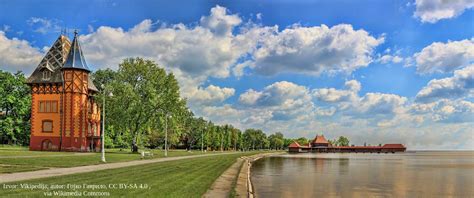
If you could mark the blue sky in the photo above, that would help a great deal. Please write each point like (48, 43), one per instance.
(376, 71)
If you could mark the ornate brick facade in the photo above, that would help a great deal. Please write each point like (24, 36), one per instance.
(64, 113)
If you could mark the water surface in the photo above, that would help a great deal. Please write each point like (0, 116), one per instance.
(410, 174)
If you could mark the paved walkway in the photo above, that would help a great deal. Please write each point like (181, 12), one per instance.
(223, 184)
(13, 177)
(239, 172)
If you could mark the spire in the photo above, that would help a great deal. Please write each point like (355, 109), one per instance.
(75, 58)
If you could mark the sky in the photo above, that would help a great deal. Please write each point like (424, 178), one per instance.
(374, 71)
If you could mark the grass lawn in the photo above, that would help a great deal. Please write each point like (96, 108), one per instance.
(13, 151)
(180, 178)
(20, 159)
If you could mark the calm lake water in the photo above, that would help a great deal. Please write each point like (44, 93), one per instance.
(410, 174)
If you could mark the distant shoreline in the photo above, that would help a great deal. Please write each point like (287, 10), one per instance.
(443, 150)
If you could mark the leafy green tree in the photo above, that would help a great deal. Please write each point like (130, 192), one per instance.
(302, 141)
(342, 141)
(103, 77)
(143, 97)
(276, 141)
(15, 107)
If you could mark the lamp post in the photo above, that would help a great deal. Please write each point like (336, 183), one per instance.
(167, 114)
(103, 122)
(202, 139)
(166, 134)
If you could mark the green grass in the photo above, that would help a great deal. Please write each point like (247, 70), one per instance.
(180, 178)
(16, 168)
(233, 193)
(6, 151)
(19, 159)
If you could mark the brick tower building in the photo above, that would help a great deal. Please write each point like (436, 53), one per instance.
(64, 114)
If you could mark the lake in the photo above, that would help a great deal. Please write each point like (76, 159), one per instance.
(410, 174)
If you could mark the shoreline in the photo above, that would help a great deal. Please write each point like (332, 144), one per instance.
(244, 186)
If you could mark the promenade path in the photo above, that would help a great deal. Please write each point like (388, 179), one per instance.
(237, 174)
(13, 177)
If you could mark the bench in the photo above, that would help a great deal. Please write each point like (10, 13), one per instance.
(146, 154)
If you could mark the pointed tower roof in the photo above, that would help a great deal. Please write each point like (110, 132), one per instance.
(52, 61)
(75, 58)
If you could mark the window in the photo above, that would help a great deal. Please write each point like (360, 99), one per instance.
(89, 104)
(48, 106)
(46, 75)
(89, 129)
(47, 126)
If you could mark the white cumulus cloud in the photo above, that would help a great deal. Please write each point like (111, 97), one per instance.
(445, 57)
(460, 85)
(210, 95)
(432, 11)
(18, 55)
(314, 50)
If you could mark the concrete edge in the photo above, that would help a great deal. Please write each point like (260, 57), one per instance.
(244, 186)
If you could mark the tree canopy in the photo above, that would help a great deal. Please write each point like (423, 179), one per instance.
(15, 105)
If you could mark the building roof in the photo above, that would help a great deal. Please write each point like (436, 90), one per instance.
(53, 61)
(319, 139)
(393, 146)
(91, 86)
(358, 147)
(56, 59)
(294, 145)
(75, 58)
(385, 146)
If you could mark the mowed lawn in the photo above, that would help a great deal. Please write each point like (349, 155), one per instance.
(20, 159)
(180, 178)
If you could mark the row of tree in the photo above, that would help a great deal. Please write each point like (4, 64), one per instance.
(145, 107)
(340, 141)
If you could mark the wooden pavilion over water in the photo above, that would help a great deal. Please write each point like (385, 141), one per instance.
(320, 145)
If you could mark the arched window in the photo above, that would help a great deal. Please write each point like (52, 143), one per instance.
(47, 145)
(47, 126)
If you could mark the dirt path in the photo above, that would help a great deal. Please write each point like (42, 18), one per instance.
(13, 177)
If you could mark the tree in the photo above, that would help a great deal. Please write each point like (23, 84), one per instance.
(342, 141)
(276, 141)
(302, 140)
(143, 95)
(15, 105)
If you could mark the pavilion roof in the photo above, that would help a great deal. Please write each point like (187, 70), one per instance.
(294, 145)
(319, 139)
(393, 146)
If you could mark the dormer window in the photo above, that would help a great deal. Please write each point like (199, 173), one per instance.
(46, 74)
